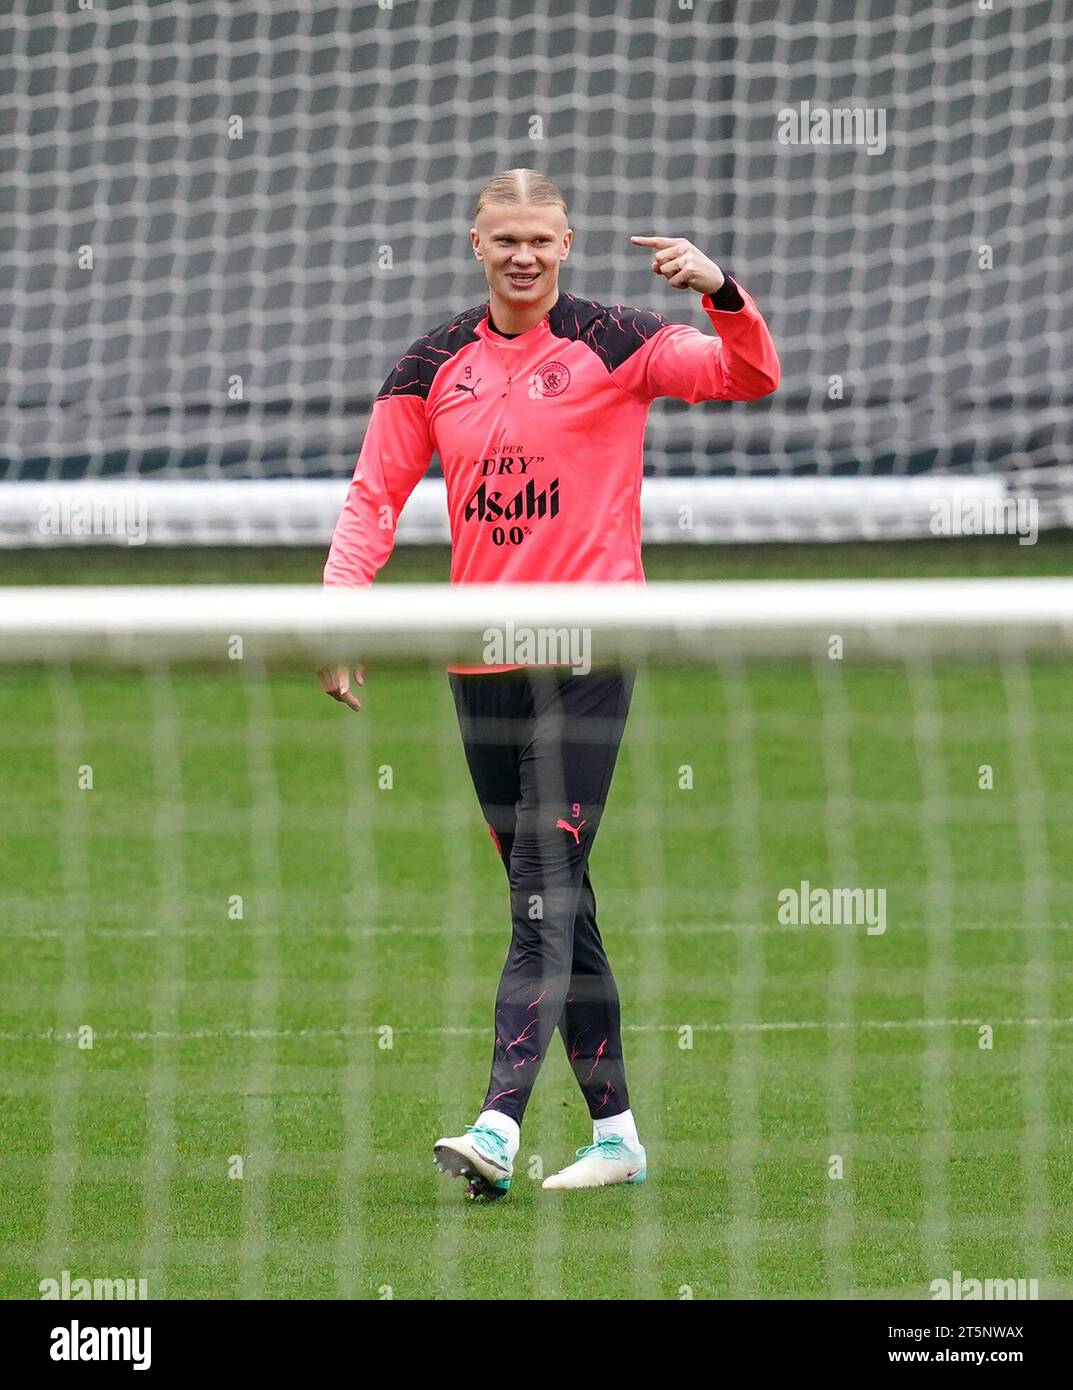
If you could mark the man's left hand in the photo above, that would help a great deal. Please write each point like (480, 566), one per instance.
(681, 264)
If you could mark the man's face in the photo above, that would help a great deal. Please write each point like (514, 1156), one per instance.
(521, 248)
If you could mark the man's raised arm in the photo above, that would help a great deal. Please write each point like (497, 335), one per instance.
(677, 360)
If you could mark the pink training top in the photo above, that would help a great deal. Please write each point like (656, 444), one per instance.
(540, 436)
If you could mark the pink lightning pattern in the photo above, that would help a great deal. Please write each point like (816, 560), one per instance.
(523, 1036)
(609, 1091)
(526, 1035)
(596, 1059)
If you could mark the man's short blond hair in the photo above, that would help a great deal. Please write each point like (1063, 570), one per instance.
(518, 187)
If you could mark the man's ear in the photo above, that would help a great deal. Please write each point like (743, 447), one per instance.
(473, 240)
(568, 241)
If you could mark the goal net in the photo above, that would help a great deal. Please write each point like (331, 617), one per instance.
(226, 220)
(251, 942)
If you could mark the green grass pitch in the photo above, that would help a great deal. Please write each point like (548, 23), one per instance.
(330, 1033)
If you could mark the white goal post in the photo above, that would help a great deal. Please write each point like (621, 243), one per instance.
(679, 622)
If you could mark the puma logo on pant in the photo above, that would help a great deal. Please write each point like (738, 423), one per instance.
(574, 830)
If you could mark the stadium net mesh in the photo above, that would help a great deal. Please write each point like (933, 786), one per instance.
(226, 221)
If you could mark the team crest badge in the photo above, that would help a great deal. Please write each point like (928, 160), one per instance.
(551, 379)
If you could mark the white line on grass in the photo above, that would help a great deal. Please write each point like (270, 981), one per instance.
(492, 927)
(770, 1026)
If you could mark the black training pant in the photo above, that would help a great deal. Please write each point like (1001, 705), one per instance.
(541, 746)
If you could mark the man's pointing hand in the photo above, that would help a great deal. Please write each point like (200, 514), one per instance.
(681, 264)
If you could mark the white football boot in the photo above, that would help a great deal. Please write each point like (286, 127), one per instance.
(609, 1160)
(480, 1156)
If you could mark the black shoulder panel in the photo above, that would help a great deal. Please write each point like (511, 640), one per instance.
(614, 332)
(413, 373)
